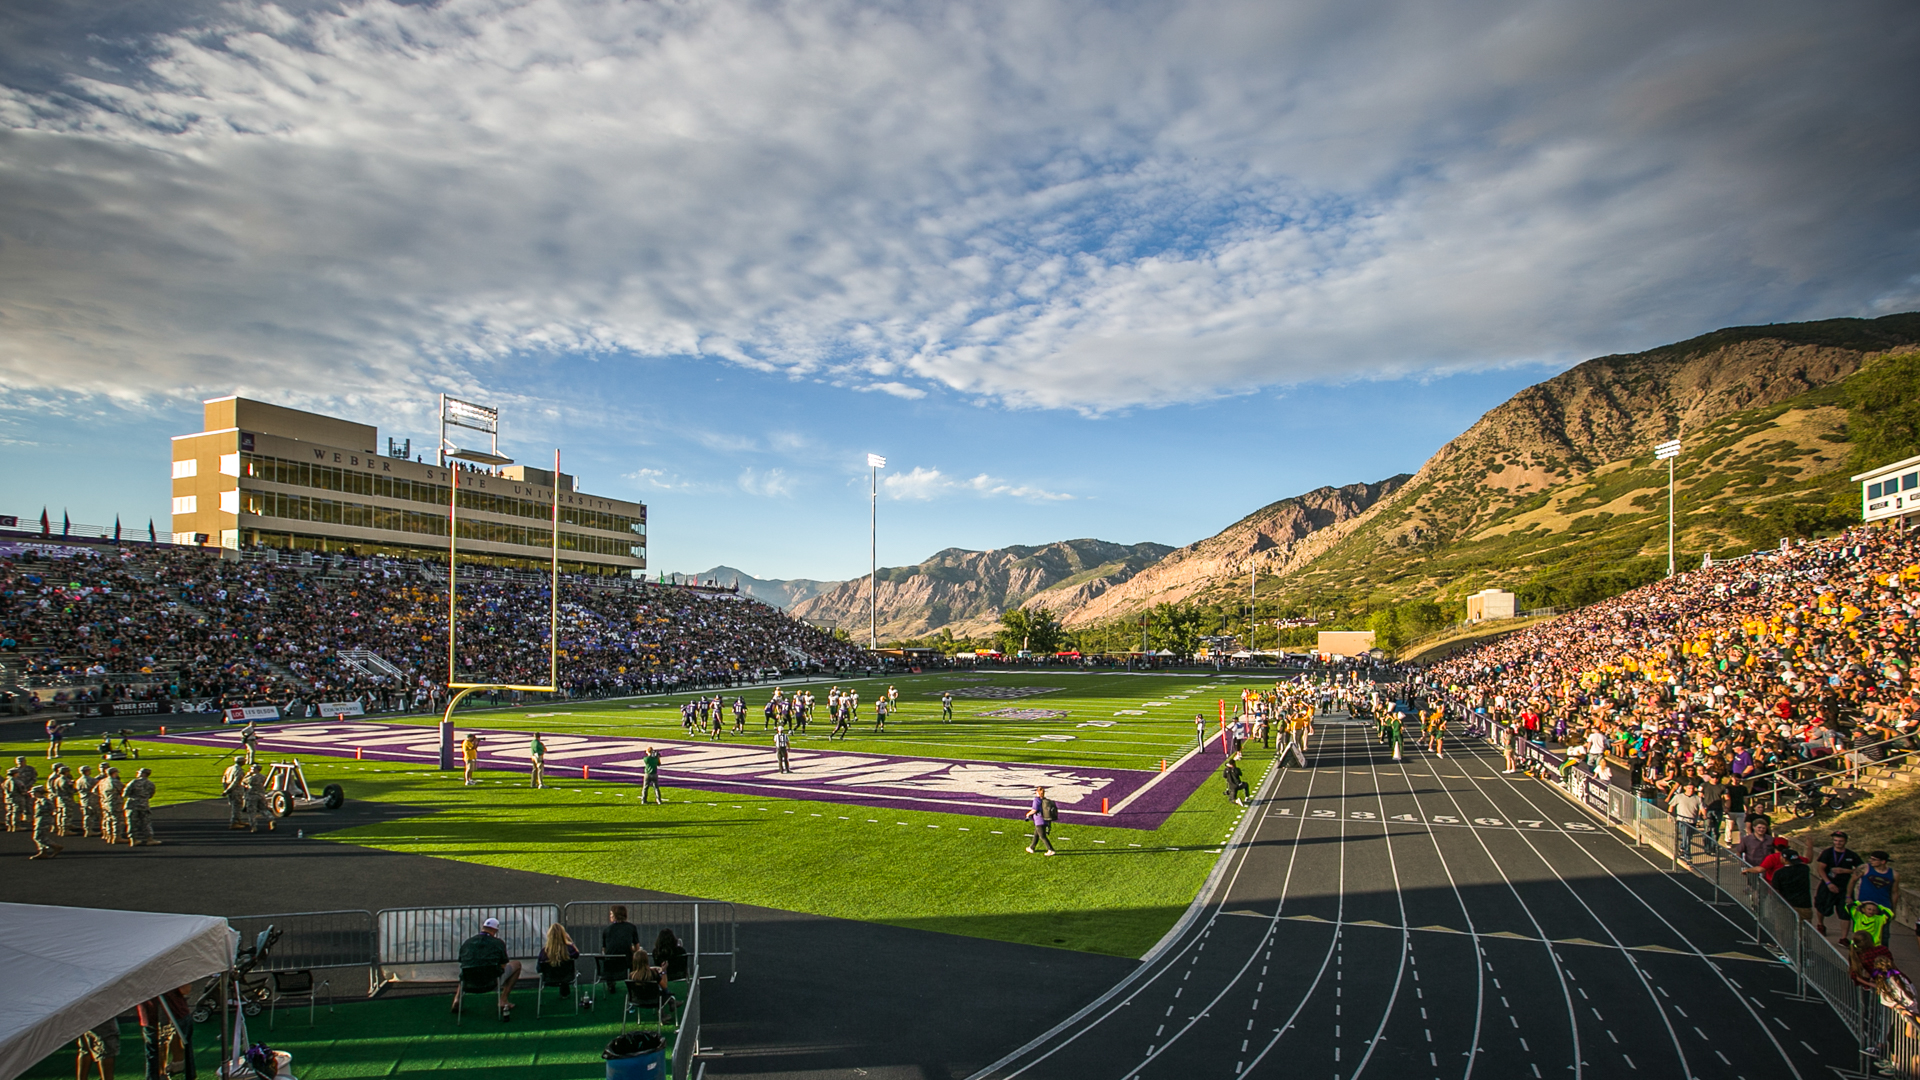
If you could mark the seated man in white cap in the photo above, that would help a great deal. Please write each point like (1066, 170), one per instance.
(484, 963)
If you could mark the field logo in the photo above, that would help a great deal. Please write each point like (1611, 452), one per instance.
(1026, 714)
(997, 693)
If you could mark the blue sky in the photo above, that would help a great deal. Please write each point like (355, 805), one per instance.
(1076, 269)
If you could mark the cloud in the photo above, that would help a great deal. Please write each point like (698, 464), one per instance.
(1047, 205)
(768, 483)
(897, 389)
(923, 484)
(658, 480)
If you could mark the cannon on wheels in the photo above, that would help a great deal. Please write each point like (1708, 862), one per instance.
(287, 791)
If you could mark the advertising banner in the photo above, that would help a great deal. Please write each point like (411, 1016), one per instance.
(122, 708)
(253, 712)
(341, 708)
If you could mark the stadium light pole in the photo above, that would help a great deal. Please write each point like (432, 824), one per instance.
(874, 462)
(1668, 451)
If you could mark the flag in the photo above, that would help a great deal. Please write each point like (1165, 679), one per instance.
(116, 528)
(875, 461)
(151, 536)
(66, 525)
(46, 527)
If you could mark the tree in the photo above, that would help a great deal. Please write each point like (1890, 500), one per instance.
(1177, 628)
(1883, 416)
(1037, 630)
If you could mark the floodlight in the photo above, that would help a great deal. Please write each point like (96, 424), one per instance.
(1667, 450)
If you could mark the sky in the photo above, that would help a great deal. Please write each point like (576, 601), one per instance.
(1123, 270)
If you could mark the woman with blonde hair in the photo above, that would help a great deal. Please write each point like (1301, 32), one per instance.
(559, 959)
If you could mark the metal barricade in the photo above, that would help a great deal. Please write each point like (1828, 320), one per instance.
(1656, 829)
(312, 939)
(423, 943)
(707, 929)
(686, 1036)
(1825, 970)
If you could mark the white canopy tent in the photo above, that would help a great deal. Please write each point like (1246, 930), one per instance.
(64, 970)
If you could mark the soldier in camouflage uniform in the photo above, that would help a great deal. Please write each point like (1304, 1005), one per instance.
(234, 785)
(257, 800)
(112, 806)
(140, 811)
(89, 802)
(45, 838)
(20, 781)
(67, 795)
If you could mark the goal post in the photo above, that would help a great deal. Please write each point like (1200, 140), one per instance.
(463, 688)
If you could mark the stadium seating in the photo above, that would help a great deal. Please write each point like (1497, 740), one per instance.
(1757, 667)
(216, 632)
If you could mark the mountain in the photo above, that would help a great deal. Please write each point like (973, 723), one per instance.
(1555, 493)
(777, 592)
(1278, 536)
(966, 591)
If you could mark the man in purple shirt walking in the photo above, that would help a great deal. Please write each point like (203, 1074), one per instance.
(1041, 814)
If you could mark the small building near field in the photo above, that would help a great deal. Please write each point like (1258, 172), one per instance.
(1347, 643)
(1492, 604)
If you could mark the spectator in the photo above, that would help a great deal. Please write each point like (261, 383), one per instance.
(1770, 669)
(1870, 919)
(1688, 811)
(559, 959)
(645, 974)
(484, 959)
(1757, 842)
(167, 1034)
(670, 954)
(98, 1047)
(617, 944)
(1834, 869)
(1793, 879)
(1878, 883)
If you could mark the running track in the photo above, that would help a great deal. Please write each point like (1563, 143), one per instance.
(1371, 923)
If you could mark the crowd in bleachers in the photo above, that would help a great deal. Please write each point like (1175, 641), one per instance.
(1749, 675)
(222, 632)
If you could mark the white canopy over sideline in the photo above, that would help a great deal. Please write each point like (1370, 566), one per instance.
(64, 970)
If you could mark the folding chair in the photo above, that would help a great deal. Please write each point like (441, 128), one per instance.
(643, 997)
(563, 978)
(295, 985)
(472, 983)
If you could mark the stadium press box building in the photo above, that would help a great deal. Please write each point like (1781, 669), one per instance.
(262, 475)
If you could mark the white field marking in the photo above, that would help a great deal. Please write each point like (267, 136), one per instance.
(1480, 970)
(1159, 964)
(1559, 971)
(1715, 968)
(1131, 712)
(1333, 946)
(1399, 895)
(1172, 766)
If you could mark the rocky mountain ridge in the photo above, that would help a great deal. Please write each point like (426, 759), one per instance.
(965, 591)
(778, 592)
(1276, 538)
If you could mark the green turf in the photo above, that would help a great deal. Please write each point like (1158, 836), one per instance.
(409, 1036)
(1113, 890)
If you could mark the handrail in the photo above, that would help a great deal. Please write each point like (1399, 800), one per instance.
(1836, 754)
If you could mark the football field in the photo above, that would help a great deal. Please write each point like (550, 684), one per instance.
(919, 826)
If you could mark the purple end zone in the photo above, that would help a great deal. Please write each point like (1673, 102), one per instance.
(1138, 798)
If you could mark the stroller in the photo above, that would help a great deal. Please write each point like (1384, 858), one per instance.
(251, 987)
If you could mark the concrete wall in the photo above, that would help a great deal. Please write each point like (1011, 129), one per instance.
(1345, 642)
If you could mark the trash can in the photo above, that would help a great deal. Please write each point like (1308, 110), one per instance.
(636, 1055)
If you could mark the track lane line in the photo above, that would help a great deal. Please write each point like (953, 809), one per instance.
(1695, 949)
